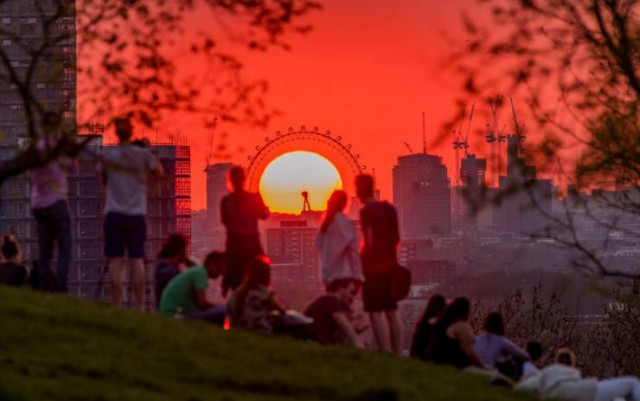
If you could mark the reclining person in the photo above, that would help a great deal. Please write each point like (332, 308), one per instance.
(186, 293)
(563, 381)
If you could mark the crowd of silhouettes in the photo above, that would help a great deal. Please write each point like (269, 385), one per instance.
(443, 335)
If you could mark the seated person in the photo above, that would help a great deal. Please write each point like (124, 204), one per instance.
(331, 324)
(423, 333)
(534, 349)
(563, 381)
(496, 351)
(170, 258)
(186, 293)
(253, 304)
(453, 337)
(12, 271)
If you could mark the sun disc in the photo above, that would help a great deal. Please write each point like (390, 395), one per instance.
(288, 175)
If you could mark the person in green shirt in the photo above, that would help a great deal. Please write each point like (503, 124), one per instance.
(186, 293)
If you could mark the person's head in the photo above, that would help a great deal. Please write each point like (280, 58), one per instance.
(236, 178)
(345, 289)
(564, 356)
(494, 324)
(535, 350)
(435, 307)
(124, 129)
(10, 249)
(457, 311)
(174, 249)
(364, 187)
(215, 263)
(337, 202)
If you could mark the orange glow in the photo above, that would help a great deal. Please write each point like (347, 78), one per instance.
(288, 175)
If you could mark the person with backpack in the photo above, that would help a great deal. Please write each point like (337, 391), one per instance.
(381, 237)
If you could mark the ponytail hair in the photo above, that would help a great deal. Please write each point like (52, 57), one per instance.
(337, 202)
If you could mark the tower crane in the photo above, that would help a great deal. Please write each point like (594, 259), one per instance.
(408, 147)
(518, 128)
(493, 137)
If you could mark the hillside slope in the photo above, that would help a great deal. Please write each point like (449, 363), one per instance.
(61, 348)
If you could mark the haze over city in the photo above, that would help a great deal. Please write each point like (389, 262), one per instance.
(291, 199)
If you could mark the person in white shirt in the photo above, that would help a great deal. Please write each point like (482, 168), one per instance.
(563, 381)
(338, 244)
(124, 170)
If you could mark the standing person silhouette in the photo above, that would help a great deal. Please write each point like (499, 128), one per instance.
(124, 170)
(379, 222)
(240, 212)
(337, 243)
(49, 189)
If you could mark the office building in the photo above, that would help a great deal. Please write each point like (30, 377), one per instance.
(422, 195)
(53, 86)
(216, 189)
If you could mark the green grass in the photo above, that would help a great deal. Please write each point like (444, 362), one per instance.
(61, 348)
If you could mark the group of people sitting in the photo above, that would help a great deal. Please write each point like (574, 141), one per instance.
(253, 305)
(443, 335)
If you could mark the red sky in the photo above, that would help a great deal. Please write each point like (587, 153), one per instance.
(367, 71)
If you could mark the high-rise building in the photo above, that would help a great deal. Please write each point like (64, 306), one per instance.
(472, 177)
(216, 189)
(294, 244)
(53, 87)
(527, 200)
(421, 192)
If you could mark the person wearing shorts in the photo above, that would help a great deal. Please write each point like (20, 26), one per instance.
(124, 169)
(379, 222)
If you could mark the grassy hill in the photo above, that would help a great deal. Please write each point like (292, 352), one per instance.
(61, 348)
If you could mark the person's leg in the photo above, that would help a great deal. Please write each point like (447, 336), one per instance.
(116, 279)
(114, 251)
(395, 331)
(380, 331)
(215, 314)
(63, 235)
(45, 248)
(135, 238)
(621, 387)
(137, 278)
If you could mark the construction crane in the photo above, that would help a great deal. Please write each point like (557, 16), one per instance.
(408, 147)
(518, 128)
(209, 156)
(458, 144)
(493, 137)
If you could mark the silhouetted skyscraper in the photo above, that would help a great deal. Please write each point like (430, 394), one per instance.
(528, 198)
(216, 190)
(421, 192)
(472, 177)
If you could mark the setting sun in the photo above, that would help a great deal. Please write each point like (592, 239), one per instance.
(288, 175)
